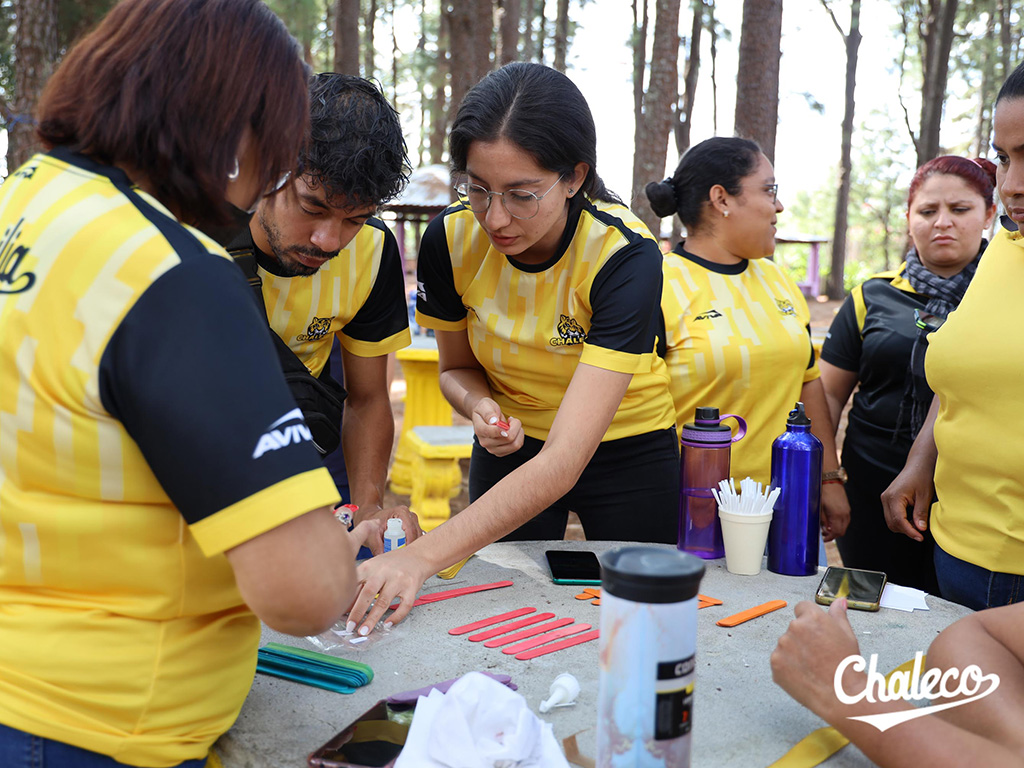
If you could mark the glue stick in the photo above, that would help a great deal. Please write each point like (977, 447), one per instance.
(394, 536)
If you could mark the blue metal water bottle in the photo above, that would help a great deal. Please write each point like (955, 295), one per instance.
(796, 469)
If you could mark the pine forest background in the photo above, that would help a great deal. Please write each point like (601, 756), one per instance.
(948, 56)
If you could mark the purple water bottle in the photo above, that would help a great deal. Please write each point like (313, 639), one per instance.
(796, 469)
(706, 447)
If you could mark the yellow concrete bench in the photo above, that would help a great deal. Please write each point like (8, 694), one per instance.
(436, 453)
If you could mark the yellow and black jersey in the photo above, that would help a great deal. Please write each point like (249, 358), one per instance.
(144, 430)
(358, 295)
(737, 339)
(594, 301)
(873, 334)
(973, 365)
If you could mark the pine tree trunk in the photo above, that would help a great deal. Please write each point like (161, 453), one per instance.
(937, 38)
(369, 64)
(509, 32)
(561, 34)
(35, 54)
(529, 16)
(757, 84)
(684, 112)
(438, 109)
(835, 287)
(662, 92)
(346, 37)
(640, 24)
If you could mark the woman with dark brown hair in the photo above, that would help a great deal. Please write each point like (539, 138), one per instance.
(159, 489)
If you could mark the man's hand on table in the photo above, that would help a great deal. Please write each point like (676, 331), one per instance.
(804, 662)
(396, 575)
(410, 524)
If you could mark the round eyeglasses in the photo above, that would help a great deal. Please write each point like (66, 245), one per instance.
(520, 203)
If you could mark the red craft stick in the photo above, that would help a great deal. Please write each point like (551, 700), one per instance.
(465, 628)
(531, 632)
(586, 637)
(434, 597)
(487, 635)
(526, 645)
(502, 425)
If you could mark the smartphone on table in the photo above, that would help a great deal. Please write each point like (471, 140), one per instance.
(574, 567)
(862, 589)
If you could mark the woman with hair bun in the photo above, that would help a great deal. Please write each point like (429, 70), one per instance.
(737, 327)
(877, 344)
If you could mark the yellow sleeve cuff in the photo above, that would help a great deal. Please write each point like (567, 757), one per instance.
(614, 360)
(392, 343)
(263, 511)
(441, 325)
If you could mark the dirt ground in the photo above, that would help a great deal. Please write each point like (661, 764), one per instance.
(822, 313)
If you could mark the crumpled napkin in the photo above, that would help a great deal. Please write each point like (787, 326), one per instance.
(479, 723)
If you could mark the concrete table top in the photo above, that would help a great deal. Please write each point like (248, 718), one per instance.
(741, 718)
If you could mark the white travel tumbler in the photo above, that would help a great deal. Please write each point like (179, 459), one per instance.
(647, 657)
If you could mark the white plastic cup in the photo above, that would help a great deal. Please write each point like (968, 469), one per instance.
(744, 537)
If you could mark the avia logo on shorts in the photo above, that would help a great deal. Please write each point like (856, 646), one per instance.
(785, 306)
(709, 315)
(569, 332)
(912, 686)
(317, 329)
(280, 436)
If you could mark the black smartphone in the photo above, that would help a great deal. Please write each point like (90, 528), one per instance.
(573, 567)
(862, 589)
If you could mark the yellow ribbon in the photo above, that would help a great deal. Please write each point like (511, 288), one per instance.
(820, 745)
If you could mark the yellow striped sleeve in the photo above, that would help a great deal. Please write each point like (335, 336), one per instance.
(265, 510)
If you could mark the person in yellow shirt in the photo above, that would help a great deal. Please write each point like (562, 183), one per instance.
(737, 333)
(329, 269)
(159, 491)
(969, 453)
(543, 291)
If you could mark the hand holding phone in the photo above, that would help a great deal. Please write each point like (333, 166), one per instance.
(573, 567)
(862, 589)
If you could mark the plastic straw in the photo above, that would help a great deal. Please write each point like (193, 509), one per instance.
(753, 498)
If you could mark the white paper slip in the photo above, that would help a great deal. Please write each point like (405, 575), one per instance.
(903, 598)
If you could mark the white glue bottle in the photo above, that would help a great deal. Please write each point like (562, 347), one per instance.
(394, 536)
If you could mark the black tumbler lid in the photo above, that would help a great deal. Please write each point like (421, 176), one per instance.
(651, 574)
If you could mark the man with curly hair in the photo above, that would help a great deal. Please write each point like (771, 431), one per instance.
(331, 270)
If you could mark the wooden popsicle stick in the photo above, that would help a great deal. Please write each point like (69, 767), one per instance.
(751, 613)
(433, 597)
(543, 650)
(531, 632)
(488, 634)
(526, 645)
(465, 628)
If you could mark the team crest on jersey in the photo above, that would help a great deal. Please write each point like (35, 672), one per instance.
(709, 315)
(569, 332)
(11, 280)
(319, 328)
(785, 306)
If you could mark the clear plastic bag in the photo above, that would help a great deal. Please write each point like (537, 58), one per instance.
(337, 637)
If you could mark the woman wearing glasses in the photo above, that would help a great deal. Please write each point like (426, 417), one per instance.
(543, 292)
(737, 327)
(877, 345)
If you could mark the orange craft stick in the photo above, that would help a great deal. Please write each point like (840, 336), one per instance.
(751, 613)
(709, 600)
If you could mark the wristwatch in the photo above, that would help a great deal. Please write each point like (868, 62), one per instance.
(835, 476)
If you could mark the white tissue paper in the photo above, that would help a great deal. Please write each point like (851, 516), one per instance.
(479, 723)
